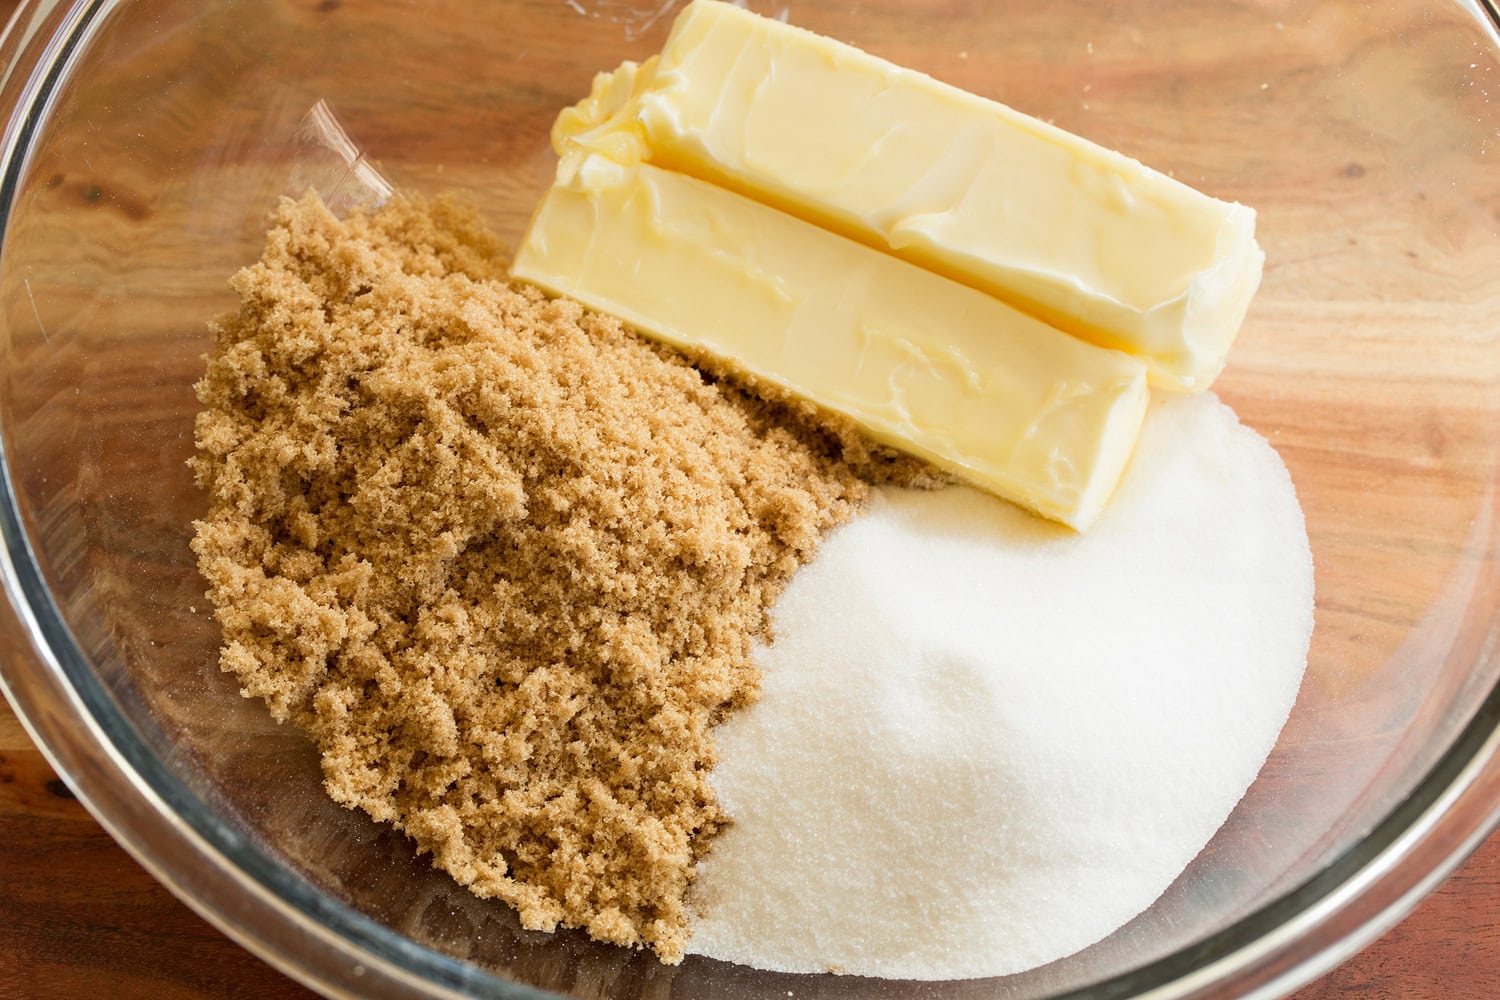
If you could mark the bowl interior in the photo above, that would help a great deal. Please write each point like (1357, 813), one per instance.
(1367, 138)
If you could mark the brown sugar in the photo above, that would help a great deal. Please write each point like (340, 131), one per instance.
(503, 559)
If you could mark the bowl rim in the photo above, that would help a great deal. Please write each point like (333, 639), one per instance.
(333, 948)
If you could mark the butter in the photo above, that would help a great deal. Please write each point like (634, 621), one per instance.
(921, 362)
(1085, 238)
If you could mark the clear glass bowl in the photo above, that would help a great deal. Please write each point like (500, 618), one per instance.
(145, 143)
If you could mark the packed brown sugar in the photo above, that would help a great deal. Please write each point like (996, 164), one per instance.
(503, 559)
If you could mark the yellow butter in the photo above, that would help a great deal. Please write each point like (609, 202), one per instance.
(921, 362)
(1086, 238)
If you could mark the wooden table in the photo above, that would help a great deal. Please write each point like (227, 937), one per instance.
(79, 918)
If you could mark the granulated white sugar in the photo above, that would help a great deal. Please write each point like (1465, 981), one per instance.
(985, 742)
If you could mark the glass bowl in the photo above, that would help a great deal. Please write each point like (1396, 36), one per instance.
(144, 144)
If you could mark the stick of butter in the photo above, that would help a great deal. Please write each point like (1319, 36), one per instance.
(1085, 238)
(919, 361)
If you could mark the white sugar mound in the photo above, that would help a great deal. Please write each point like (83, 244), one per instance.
(985, 742)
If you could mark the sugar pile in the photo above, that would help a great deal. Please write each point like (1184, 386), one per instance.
(984, 743)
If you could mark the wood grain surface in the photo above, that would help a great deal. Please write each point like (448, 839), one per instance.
(1389, 501)
(79, 918)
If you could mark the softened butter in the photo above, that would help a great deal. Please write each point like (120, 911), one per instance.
(920, 361)
(1081, 236)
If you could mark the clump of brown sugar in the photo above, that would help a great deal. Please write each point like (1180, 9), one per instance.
(502, 559)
